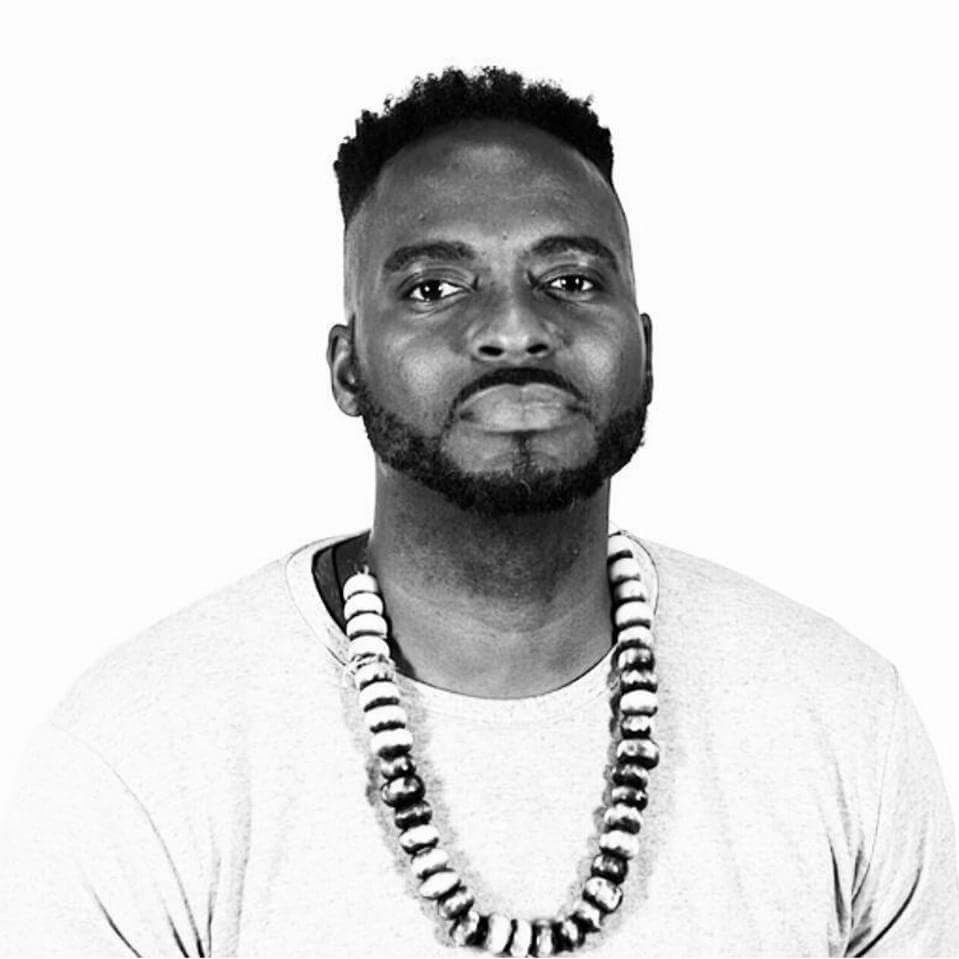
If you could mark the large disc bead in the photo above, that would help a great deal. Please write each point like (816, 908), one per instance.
(602, 893)
(368, 647)
(385, 717)
(418, 814)
(379, 694)
(630, 796)
(375, 671)
(636, 726)
(630, 774)
(363, 624)
(499, 929)
(360, 583)
(624, 568)
(637, 634)
(428, 861)
(611, 867)
(544, 938)
(634, 658)
(522, 938)
(398, 766)
(637, 675)
(634, 612)
(621, 816)
(389, 743)
(629, 589)
(620, 843)
(403, 791)
(643, 752)
(587, 916)
(465, 930)
(456, 903)
(362, 603)
(439, 884)
(418, 839)
(618, 544)
(569, 934)
(638, 702)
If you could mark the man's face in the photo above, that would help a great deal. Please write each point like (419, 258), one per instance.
(497, 353)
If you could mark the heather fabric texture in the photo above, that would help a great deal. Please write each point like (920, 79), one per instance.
(206, 789)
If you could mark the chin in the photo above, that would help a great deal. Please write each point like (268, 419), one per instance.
(523, 461)
(523, 491)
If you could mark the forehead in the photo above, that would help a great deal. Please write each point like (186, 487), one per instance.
(483, 181)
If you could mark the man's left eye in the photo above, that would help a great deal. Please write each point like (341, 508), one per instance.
(572, 283)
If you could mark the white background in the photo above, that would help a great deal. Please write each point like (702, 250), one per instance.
(170, 257)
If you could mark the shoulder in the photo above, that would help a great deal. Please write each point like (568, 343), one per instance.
(718, 621)
(206, 667)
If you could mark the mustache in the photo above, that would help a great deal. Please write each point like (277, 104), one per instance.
(517, 376)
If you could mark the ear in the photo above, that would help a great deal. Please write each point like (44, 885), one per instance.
(648, 371)
(341, 359)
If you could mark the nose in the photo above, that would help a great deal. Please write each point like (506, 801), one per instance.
(511, 329)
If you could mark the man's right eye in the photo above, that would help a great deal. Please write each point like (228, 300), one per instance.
(429, 291)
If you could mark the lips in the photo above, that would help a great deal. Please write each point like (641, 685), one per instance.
(531, 406)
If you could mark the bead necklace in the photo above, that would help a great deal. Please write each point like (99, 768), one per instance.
(634, 705)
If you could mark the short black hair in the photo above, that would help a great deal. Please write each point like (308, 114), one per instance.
(438, 101)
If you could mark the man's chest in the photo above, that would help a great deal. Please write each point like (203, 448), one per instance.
(732, 860)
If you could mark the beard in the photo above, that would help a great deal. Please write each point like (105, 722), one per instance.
(524, 487)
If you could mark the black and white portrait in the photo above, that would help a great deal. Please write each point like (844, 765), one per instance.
(478, 479)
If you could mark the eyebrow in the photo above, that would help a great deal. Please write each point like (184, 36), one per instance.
(551, 245)
(434, 250)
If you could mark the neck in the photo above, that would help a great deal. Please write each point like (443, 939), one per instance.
(501, 608)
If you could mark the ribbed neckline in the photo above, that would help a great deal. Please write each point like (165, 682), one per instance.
(585, 689)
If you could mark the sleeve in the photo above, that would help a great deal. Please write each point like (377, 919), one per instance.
(83, 871)
(907, 899)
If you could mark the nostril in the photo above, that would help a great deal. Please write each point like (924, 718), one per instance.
(538, 349)
(490, 351)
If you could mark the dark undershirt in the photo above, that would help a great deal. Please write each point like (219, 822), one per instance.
(332, 567)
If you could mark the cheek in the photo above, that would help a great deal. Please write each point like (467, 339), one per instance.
(412, 381)
(612, 371)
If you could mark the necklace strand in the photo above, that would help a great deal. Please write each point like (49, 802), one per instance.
(634, 704)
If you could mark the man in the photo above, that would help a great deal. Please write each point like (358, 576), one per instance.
(484, 722)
